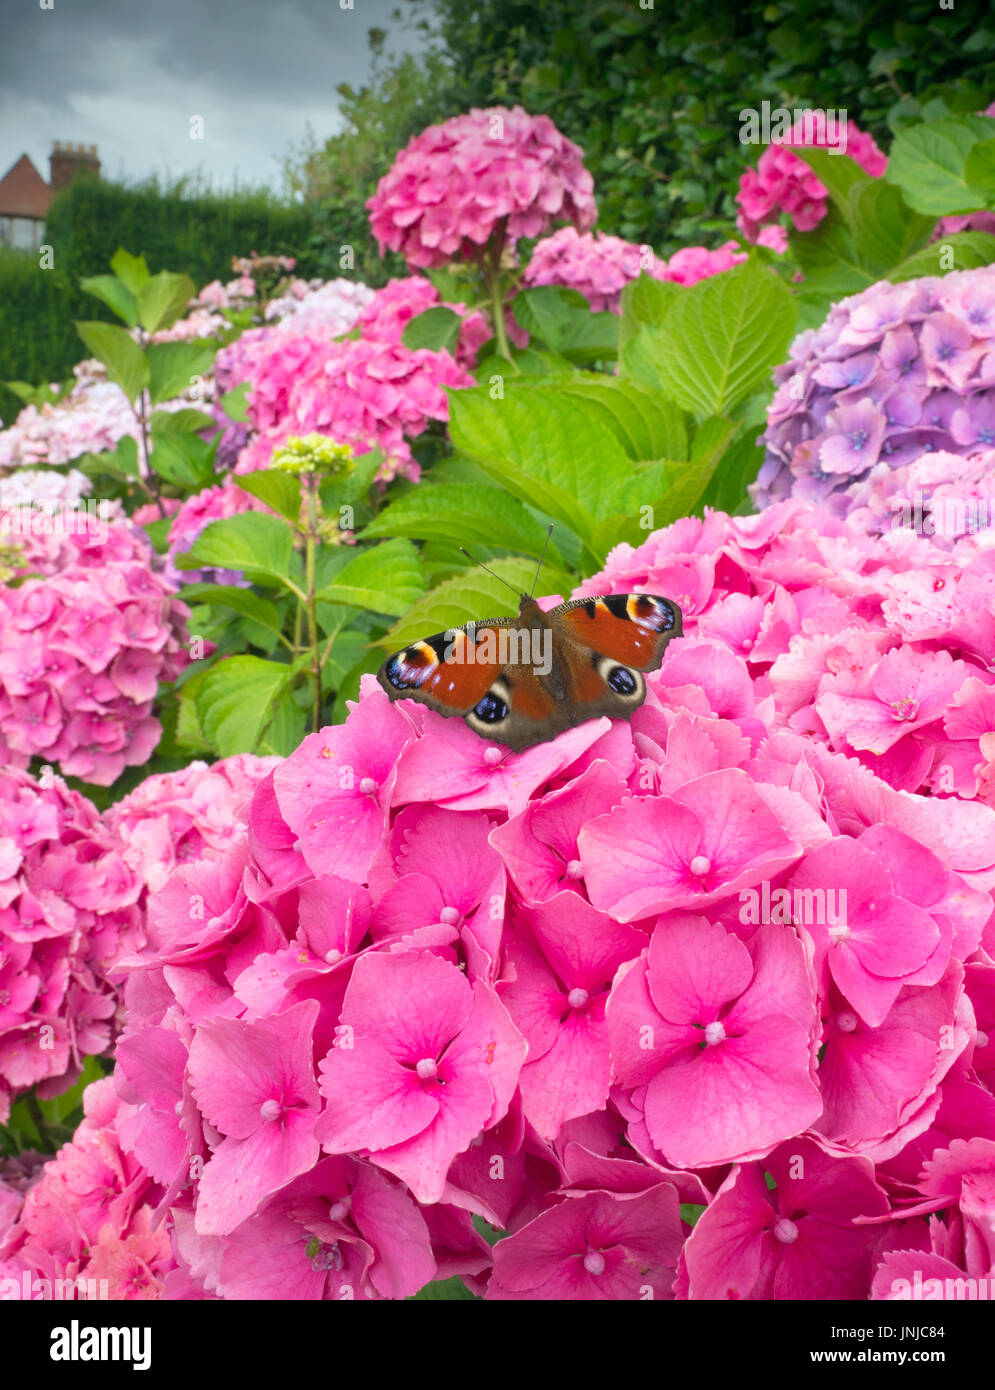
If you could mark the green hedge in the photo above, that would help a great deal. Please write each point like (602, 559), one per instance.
(88, 221)
(37, 339)
(653, 95)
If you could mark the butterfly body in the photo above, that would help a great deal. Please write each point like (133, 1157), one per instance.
(522, 680)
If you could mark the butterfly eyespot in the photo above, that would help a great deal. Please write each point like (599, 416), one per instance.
(622, 680)
(491, 709)
(393, 672)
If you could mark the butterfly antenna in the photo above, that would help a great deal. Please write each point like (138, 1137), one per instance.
(541, 558)
(490, 572)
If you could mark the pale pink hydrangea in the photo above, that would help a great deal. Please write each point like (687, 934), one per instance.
(83, 649)
(68, 909)
(174, 817)
(359, 392)
(197, 512)
(89, 1217)
(391, 309)
(45, 488)
(494, 172)
(91, 419)
(784, 184)
(600, 266)
(597, 265)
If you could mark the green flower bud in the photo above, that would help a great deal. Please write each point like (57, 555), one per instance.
(316, 454)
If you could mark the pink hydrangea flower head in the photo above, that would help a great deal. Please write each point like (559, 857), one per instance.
(783, 183)
(68, 909)
(487, 172)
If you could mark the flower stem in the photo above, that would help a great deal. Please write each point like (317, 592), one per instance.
(45, 1140)
(311, 607)
(495, 289)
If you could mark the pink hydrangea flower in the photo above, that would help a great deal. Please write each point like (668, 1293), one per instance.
(68, 908)
(360, 392)
(488, 172)
(174, 817)
(600, 266)
(83, 652)
(783, 183)
(198, 511)
(426, 979)
(88, 1217)
(391, 309)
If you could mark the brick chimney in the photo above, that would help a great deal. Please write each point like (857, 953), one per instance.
(67, 161)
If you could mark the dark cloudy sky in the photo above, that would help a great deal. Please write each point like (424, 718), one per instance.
(127, 76)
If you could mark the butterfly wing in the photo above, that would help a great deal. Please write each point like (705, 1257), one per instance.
(464, 672)
(632, 629)
(600, 647)
(607, 643)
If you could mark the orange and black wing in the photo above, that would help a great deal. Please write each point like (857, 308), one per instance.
(630, 628)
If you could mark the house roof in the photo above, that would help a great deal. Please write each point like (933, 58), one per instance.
(23, 191)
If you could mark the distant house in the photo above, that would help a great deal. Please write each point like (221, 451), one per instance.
(25, 196)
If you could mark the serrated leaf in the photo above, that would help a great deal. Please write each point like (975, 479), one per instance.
(691, 479)
(188, 734)
(829, 259)
(184, 459)
(885, 230)
(110, 291)
(277, 489)
(120, 354)
(185, 421)
(131, 270)
(645, 300)
(929, 163)
(462, 514)
(121, 462)
(970, 250)
(235, 699)
(721, 338)
(235, 403)
(285, 730)
(437, 328)
(471, 594)
(385, 578)
(245, 601)
(253, 542)
(980, 171)
(840, 174)
(640, 358)
(562, 319)
(173, 366)
(348, 650)
(163, 298)
(727, 490)
(645, 422)
(544, 450)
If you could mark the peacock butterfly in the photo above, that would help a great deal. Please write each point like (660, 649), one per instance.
(524, 680)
